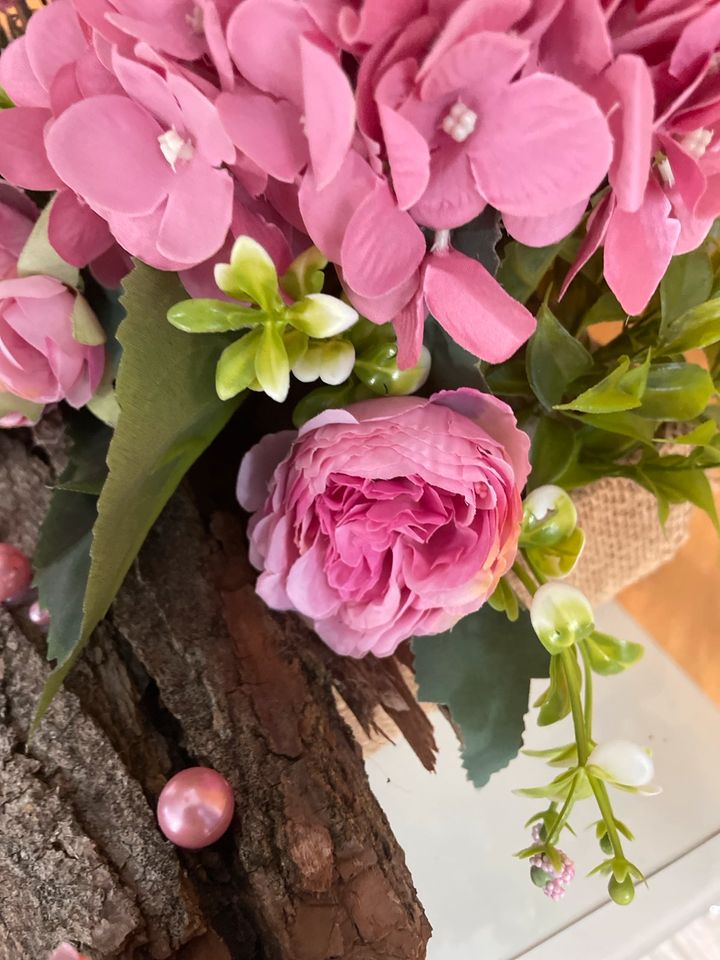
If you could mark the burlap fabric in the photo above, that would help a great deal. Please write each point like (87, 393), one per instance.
(624, 541)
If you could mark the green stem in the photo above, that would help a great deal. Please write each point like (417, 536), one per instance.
(605, 807)
(541, 578)
(588, 689)
(562, 817)
(577, 708)
(525, 578)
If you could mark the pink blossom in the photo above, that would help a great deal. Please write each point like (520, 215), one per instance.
(295, 104)
(149, 162)
(663, 102)
(457, 120)
(388, 520)
(66, 951)
(40, 359)
(17, 215)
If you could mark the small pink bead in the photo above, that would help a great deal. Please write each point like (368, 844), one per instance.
(39, 615)
(66, 951)
(195, 807)
(15, 573)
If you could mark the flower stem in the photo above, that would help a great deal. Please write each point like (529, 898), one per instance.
(588, 689)
(578, 716)
(605, 807)
(525, 578)
(564, 814)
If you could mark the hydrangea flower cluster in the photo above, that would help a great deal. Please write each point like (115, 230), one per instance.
(169, 129)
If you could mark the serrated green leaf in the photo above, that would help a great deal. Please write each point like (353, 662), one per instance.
(687, 283)
(676, 391)
(554, 359)
(169, 414)
(212, 316)
(481, 670)
(236, 367)
(87, 468)
(39, 256)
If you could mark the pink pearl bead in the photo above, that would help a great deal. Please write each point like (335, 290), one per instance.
(39, 615)
(15, 573)
(195, 807)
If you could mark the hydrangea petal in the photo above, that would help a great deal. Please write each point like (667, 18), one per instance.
(329, 105)
(638, 249)
(551, 121)
(474, 309)
(106, 149)
(17, 77)
(409, 157)
(23, 160)
(266, 130)
(542, 231)
(382, 247)
(198, 213)
(77, 233)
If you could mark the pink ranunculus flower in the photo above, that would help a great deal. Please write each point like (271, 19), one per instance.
(392, 519)
(40, 360)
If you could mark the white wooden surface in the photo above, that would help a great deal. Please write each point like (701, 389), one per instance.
(459, 841)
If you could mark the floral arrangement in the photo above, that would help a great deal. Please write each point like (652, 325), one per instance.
(400, 226)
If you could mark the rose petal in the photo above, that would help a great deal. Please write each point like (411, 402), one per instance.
(257, 468)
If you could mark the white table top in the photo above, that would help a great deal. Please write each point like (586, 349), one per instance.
(459, 842)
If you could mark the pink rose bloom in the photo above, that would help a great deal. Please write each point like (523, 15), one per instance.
(17, 216)
(392, 519)
(40, 360)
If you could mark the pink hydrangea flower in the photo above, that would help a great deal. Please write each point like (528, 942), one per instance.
(458, 120)
(17, 216)
(661, 95)
(391, 519)
(40, 359)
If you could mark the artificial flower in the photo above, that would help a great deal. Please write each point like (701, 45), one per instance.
(41, 359)
(393, 518)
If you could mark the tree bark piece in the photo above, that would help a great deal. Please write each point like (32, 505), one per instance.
(190, 668)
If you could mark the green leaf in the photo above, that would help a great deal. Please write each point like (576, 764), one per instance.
(86, 327)
(610, 655)
(622, 389)
(305, 274)
(504, 600)
(554, 702)
(606, 308)
(169, 414)
(687, 283)
(554, 359)
(320, 315)
(87, 468)
(678, 486)
(62, 556)
(696, 329)
(272, 368)
(212, 316)
(523, 268)
(236, 366)
(452, 366)
(676, 391)
(481, 670)
(479, 238)
(555, 445)
(5, 101)
(9, 403)
(626, 424)
(39, 256)
(250, 275)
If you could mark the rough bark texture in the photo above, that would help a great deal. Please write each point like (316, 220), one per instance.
(191, 668)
